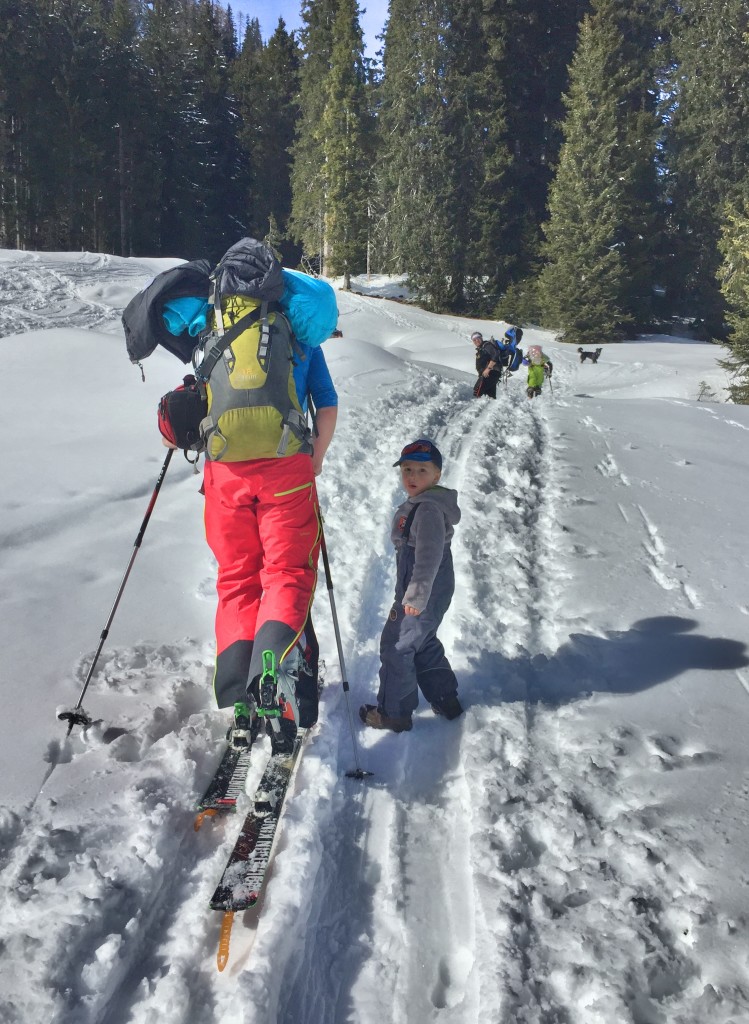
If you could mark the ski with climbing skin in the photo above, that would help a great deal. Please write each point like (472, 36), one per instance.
(244, 876)
(229, 778)
(226, 786)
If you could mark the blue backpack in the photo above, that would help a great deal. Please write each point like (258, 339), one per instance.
(512, 356)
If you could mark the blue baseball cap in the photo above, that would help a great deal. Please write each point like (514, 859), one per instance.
(421, 450)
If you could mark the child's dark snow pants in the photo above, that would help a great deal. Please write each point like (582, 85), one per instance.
(411, 655)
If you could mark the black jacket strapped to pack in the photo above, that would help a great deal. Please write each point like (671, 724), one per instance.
(143, 316)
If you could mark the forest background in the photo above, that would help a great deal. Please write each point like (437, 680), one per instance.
(578, 165)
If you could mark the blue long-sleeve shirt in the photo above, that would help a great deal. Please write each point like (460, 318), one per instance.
(312, 377)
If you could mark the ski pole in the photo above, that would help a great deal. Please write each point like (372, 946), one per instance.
(77, 716)
(358, 773)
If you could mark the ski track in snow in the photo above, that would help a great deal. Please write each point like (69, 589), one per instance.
(42, 291)
(454, 894)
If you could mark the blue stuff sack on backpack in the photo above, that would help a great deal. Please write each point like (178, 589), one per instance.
(187, 313)
(310, 305)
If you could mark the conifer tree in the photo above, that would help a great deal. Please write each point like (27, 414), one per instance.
(345, 136)
(430, 144)
(125, 84)
(603, 201)
(307, 182)
(266, 81)
(217, 183)
(468, 118)
(733, 278)
(529, 47)
(72, 48)
(28, 168)
(116, 126)
(495, 236)
(707, 146)
(166, 132)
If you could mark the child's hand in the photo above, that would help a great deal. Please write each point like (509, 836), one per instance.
(410, 610)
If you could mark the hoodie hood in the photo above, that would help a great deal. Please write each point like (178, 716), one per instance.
(445, 497)
(427, 546)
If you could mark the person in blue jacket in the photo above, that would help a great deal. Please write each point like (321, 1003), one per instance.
(510, 354)
(261, 515)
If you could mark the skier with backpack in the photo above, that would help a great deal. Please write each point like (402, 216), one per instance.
(257, 361)
(539, 368)
(488, 366)
(511, 355)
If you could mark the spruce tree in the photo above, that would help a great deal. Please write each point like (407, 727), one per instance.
(707, 146)
(217, 183)
(603, 206)
(529, 47)
(64, 80)
(266, 82)
(495, 235)
(430, 145)
(733, 277)
(166, 134)
(307, 182)
(125, 84)
(346, 140)
(27, 168)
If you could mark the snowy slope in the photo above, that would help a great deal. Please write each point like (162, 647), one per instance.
(572, 849)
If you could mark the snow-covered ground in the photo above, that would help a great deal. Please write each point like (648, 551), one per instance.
(573, 850)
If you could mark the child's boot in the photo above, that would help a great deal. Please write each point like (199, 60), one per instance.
(372, 716)
(449, 707)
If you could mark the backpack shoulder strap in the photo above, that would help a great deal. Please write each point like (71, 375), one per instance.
(408, 523)
(214, 353)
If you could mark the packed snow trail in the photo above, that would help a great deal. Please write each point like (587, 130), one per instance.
(322, 839)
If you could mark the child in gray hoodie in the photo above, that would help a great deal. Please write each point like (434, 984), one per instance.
(411, 655)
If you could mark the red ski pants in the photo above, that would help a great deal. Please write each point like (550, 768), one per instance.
(262, 523)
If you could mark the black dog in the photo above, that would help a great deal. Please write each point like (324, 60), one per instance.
(593, 356)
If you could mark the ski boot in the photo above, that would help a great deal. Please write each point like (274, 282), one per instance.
(307, 688)
(278, 705)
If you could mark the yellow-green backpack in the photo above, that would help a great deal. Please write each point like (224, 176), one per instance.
(246, 366)
(253, 409)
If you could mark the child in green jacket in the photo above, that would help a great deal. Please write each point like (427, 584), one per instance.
(539, 368)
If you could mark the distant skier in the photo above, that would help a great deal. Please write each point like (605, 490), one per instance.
(411, 655)
(511, 356)
(488, 366)
(539, 368)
